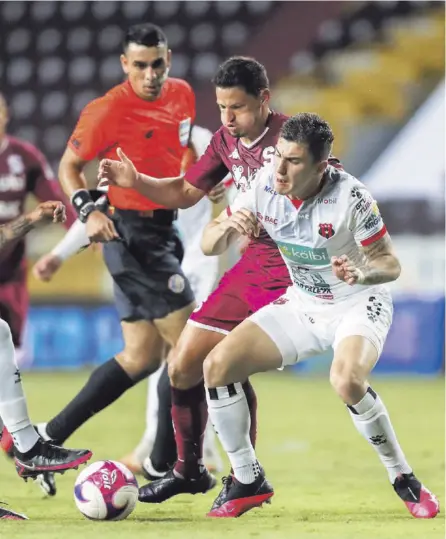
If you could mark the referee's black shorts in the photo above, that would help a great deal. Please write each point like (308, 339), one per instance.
(146, 265)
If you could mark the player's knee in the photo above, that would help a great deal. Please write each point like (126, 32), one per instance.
(185, 369)
(215, 369)
(138, 363)
(5, 332)
(346, 382)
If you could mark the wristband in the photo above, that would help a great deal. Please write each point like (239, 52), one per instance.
(83, 204)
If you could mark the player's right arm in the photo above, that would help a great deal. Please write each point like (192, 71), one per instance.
(180, 192)
(46, 212)
(90, 137)
(220, 233)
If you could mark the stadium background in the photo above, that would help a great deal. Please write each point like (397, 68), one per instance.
(375, 70)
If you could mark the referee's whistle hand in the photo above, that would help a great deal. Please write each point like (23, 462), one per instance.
(121, 173)
(100, 229)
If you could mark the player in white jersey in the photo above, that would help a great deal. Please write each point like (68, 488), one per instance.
(339, 255)
(202, 273)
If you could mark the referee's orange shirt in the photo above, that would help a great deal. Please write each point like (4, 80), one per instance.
(154, 134)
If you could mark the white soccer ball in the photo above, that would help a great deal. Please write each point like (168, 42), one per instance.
(106, 490)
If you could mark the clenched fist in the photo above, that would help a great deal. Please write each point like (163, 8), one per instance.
(46, 267)
(244, 222)
(345, 270)
(48, 212)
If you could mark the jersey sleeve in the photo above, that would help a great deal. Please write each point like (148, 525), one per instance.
(91, 136)
(366, 222)
(209, 170)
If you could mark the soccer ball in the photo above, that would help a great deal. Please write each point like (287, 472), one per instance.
(106, 490)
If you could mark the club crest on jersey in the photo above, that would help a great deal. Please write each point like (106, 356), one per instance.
(326, 230)
(184, 131)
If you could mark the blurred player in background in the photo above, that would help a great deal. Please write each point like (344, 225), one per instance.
(32, 455)
(201, 271)
(23, 171)
(339, 256)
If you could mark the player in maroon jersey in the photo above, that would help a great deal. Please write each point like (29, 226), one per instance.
(23, 170)
(243, 144)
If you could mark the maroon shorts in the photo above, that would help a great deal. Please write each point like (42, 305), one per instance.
(243, 290)
(14, 302)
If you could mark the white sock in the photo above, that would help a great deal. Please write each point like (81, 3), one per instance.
(41, 429)
(373, 422)
(13, 408)
(229, 413)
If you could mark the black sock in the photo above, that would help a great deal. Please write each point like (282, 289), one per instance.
(105, 385)
(164, 452)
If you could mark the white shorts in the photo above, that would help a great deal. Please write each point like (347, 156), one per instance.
(300, 330)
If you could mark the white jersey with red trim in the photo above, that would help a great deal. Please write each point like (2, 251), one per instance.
(340, 219)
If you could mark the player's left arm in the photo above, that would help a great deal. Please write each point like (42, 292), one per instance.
(44, 185)
(382, 264)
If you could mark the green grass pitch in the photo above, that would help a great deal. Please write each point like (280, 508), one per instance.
(329, 483)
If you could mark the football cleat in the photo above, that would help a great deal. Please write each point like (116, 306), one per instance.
(47, 483)
(7, 514)
(7, 443)
(170, 485)
(221, 498)
(46, 457)
(238, 498)
(417, 498)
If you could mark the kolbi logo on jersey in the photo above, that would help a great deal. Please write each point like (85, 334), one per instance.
(326, 230)
(184, 131)
(304, 255)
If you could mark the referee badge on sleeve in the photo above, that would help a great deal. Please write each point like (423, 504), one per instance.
(184, 131)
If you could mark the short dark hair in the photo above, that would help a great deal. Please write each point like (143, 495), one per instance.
(244, 72)
(147, 34)
(310, 129)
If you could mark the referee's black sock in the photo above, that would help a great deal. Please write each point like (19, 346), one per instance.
(164, 452)
(106, 384)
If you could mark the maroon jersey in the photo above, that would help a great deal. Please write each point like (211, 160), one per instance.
(227, 154)
(23, 170)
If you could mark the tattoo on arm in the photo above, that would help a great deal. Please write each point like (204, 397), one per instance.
(15, 230)
(381, 264)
